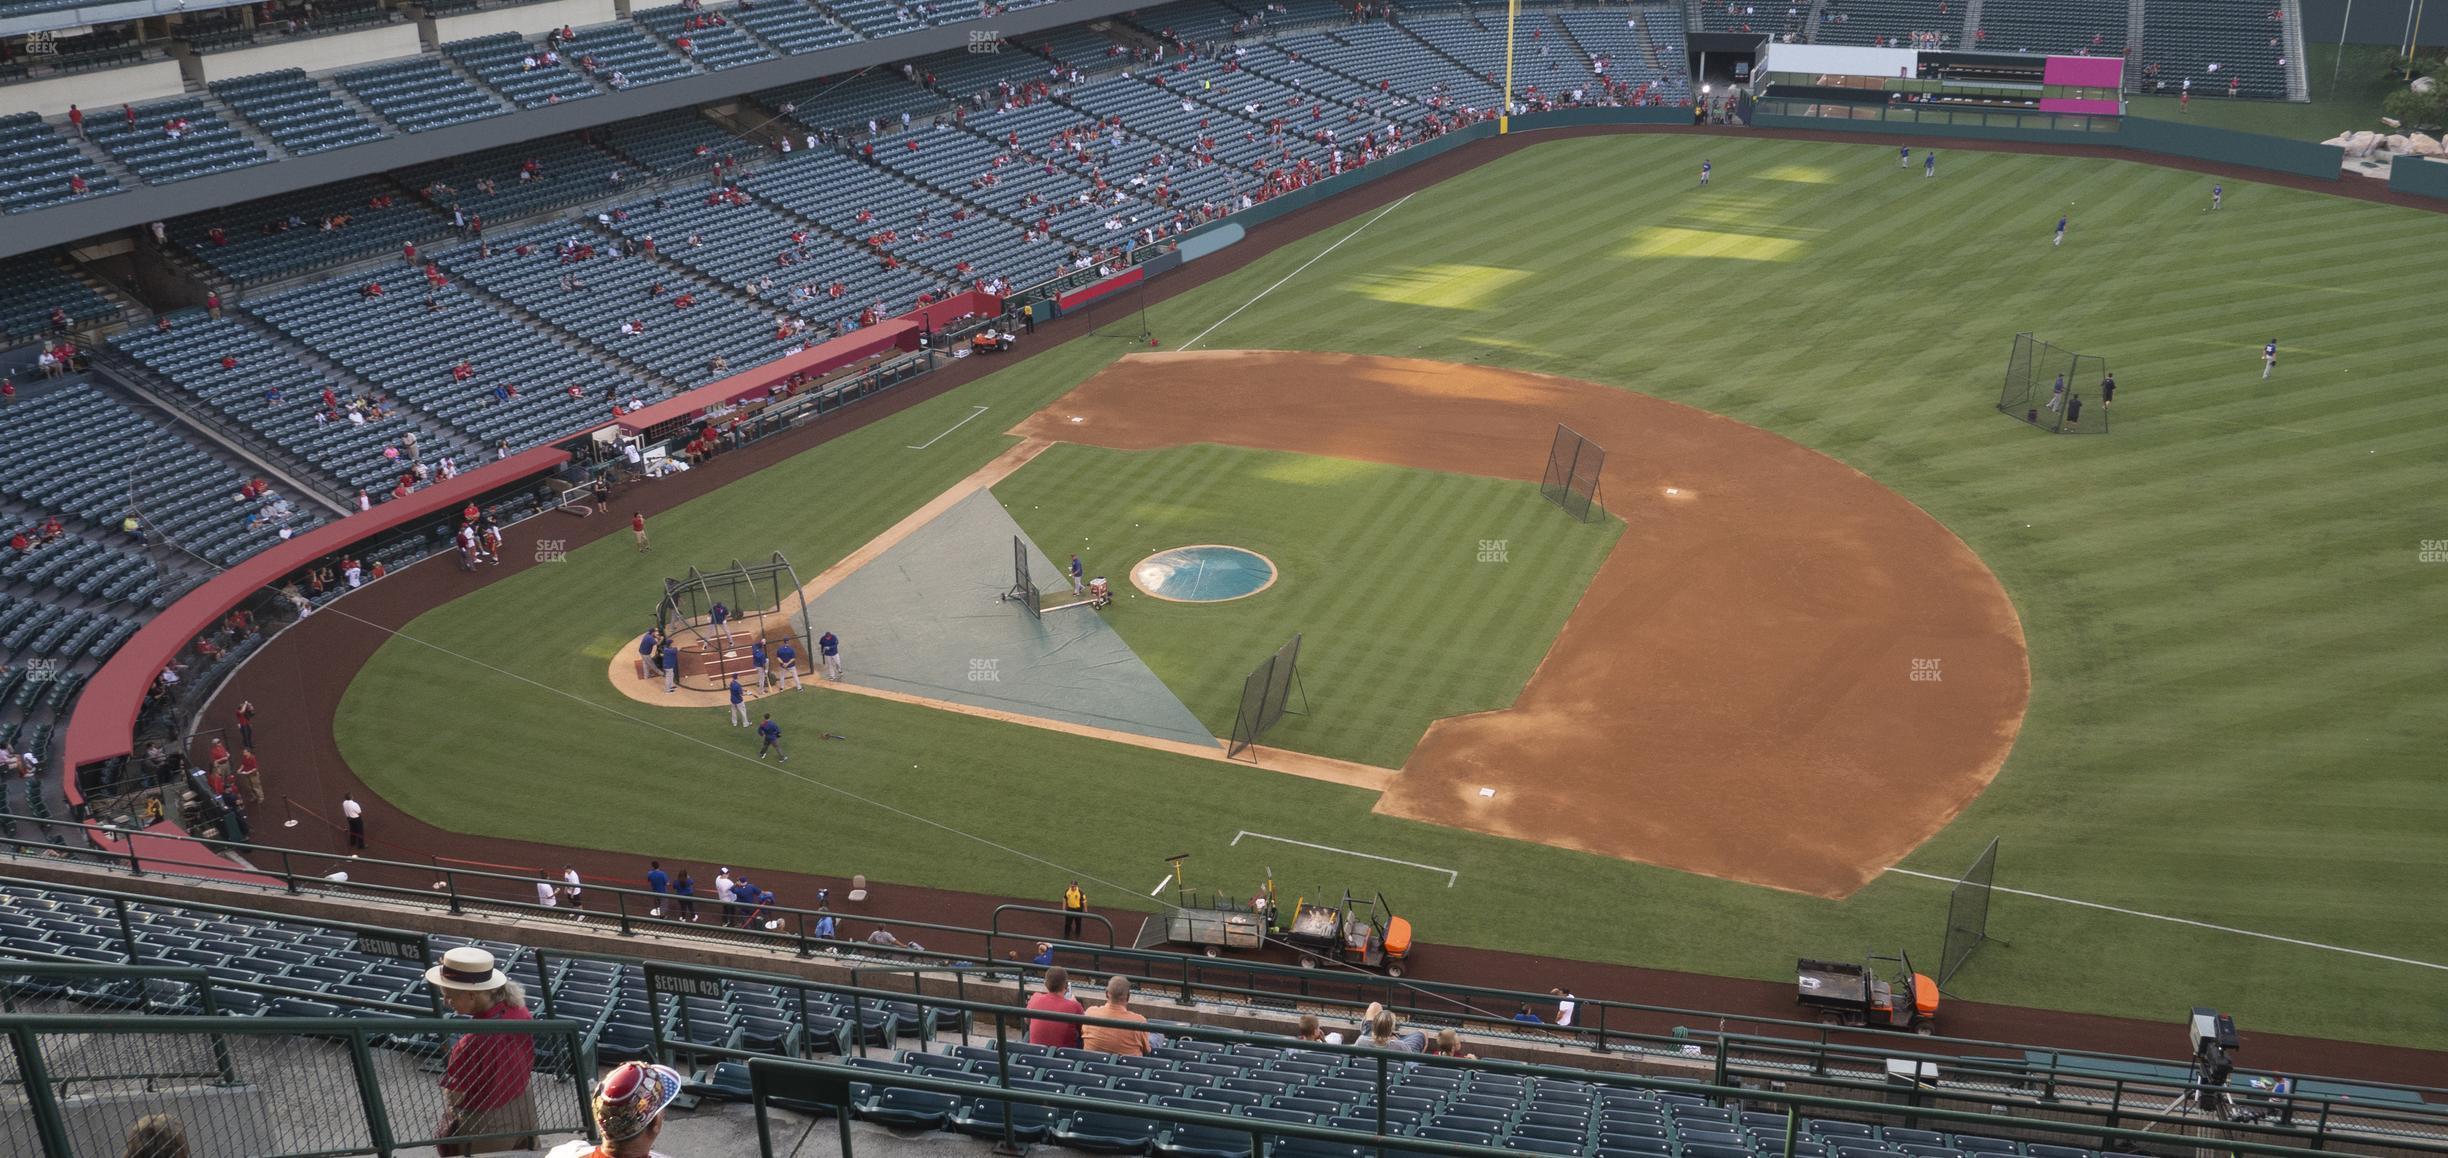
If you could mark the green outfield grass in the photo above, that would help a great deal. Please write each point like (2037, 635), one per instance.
(2234, 644)
(1379, 565)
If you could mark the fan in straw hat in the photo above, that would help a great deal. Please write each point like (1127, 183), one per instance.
(485, 1080)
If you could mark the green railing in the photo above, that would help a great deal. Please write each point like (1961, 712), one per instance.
(812, 1084)
(292, 1086)
(1605, 1026)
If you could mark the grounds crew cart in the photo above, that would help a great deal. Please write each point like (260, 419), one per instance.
(1356, 932)
(1843, 993)
(1214, 924)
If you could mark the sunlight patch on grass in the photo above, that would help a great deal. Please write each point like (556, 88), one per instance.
(1671, 241)
(1444, 286)
(1800, 174)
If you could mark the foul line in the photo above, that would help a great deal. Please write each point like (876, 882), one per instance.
(2186, 921)
(948, 430)
(1202, 334)
(1451, 875)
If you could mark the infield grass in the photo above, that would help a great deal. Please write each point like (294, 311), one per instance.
(2236, 710)
(1409, 615)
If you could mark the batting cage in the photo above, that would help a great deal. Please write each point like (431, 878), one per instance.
(1571, 480)
(2054, 389)
(1266, 694)
(1967, 922)
(756, 601)
(1023, 589)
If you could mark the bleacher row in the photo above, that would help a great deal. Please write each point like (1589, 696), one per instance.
(320, 972)
(504, 72)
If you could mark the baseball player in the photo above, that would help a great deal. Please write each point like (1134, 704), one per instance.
(829, 647)
(2269, 359)
(1903, 156)
(720, 614)
(2060, 238)
(1076, 572)
(2057, 395)
(739, 704)
(1929, 163)
(787, 658)
(1704, 174)
(770, 734)
(2107, 389)
(764, 665)
(2216, 193)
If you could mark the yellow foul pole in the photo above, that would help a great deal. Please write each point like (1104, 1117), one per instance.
(1504, 116)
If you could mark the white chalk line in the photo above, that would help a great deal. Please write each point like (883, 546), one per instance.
(1202, 334)
(1451, 876)
(2188, 921)
(949, 429)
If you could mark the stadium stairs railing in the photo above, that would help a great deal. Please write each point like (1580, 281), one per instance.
(2081, 1086)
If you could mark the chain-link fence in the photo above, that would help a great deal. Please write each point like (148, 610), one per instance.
(77, 1084)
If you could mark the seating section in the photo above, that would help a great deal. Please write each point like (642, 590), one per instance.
(879, 18)
(705, 36)
(741, 245)
(2214, 43)
(37, 164)
(284, 236)
(1891, 21)
(834, 190)
(34, 284)
(1542, 57)
(518, 70)
(175, 140)
(2058, 27)
(623, 56)
(846, 105)
(516, 388)
(274, 393)
(566, 172)
(793, 26)
(76, 450)
(296, 111)
(1192, 22)
(420, 95)
(1636, 53)
(76, 567)
(668, 142)
(686, 326)
(1771, 19)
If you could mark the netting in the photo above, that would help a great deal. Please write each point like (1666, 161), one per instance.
(1968, 913)
(1571, 479)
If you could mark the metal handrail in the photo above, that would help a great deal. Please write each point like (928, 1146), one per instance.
(1185, 974)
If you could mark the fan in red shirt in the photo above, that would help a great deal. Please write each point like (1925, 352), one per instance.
(1055, 999)
(486, 1077)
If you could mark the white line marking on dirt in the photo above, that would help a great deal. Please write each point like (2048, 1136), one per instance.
(949, 429)
(1451, 875)
(1202, 334)
(2187, 921)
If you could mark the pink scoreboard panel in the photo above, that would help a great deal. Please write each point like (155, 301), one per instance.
(2100, 72)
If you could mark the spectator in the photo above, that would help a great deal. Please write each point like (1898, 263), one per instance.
(485, 1079)
(1565, 1003)
(722, 893)
(1108, 1039)
(629, 1105)
(1309, 1029)
(660, 883)
(1524, 1016)
(1448, 1044)
(355, 814)
(572, 891)
(1055, 999)
(156, 1136)
(1380, 1029)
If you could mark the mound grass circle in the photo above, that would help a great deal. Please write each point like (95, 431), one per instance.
(1204, 573)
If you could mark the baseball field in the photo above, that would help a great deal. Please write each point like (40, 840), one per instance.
(2188, 671)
